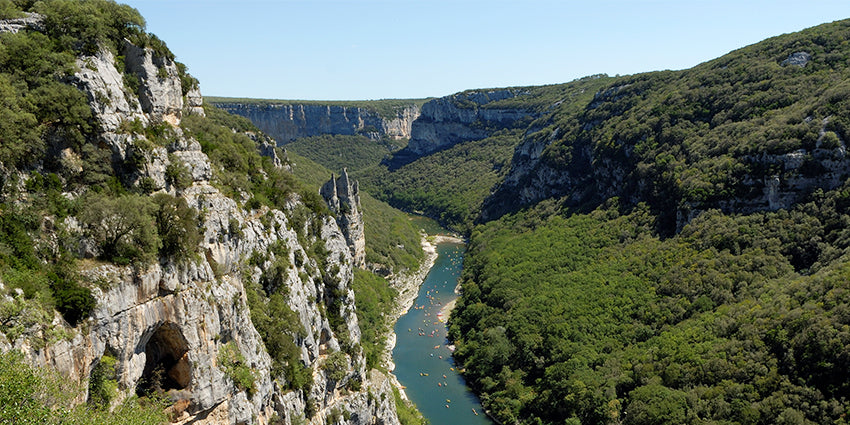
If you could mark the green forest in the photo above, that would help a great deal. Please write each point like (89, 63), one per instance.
(594, 318)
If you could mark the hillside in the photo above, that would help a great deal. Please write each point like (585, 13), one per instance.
(673, 250)
(159, 261)
(753, 130)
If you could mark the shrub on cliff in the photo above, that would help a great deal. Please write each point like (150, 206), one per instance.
(123, 227)
(176, 226)
(233, 363)
(84, 25)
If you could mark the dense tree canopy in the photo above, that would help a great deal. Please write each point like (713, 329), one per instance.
(592, 316)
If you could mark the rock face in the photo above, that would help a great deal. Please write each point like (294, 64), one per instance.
(800, 59)
(161, 95)
(176, 318)
(287, 122)
(461, 117)
(343, 198)
(30, 20)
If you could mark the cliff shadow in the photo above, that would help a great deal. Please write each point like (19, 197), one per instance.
(400, 159)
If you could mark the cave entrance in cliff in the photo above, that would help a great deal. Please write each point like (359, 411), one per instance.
(166, 361)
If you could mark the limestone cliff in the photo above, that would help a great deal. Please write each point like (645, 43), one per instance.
(176, 317)
(343, 198)
(286, 122)
(465, 116)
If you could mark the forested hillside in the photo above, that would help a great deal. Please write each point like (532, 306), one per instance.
(751, 130)
(673, 251)
(594, 317)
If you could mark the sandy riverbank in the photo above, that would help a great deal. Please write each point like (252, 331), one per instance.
(407, 286)
(446, 311)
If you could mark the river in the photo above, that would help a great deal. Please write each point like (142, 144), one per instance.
(423, 361)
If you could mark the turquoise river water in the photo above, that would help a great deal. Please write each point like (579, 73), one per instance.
(424, 364)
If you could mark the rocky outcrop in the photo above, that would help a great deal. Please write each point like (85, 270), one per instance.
(287, 122)
(461, 117)
(343, 198)
(800, 59)
(104, 84)
(160, 92)
(168, 322)
(29, 20)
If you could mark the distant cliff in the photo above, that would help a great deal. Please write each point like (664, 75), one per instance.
(685, 147)
(289, 121)
(470, 115)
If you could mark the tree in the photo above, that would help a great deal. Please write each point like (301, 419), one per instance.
(123, 227)
(176, 225)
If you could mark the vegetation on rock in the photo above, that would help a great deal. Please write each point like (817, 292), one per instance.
(392, 242)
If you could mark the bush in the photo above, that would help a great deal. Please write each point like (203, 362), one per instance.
(73, 301)
(830, 140)
(103, 385)
(177, 174)
(84, 25)
(336, 366)
(123, 227)
(176, 226)
(40, 396)
(233, 364)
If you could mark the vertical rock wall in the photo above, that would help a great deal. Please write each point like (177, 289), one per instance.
(343, 198)
(287, 122)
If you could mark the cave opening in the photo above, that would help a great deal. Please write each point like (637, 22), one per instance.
(167, 364)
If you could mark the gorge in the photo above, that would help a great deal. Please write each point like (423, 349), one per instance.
(662, 248)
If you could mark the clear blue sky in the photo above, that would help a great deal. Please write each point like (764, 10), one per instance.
(376, 49)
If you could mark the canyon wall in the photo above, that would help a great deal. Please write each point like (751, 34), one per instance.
(286, 122)
(171, 322)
